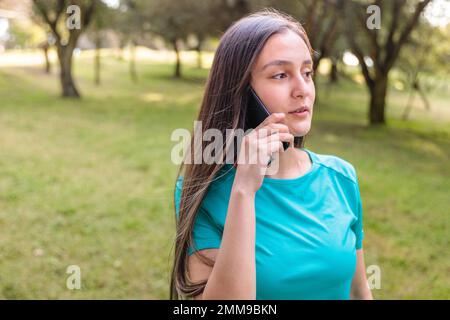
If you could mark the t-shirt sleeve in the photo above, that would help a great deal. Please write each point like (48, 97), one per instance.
(357, 226)
(206, 234)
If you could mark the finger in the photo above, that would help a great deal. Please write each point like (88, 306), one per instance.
(274, 143)
(274, 147)
(274, 136)
(270, 129)
(266, 154)
(279, 136)
(265, 132)
(277, 127)
(273, 118)
(287, 137)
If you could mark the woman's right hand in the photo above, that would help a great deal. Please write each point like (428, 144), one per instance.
(263, 142)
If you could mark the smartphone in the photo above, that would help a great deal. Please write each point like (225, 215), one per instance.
(256, 112)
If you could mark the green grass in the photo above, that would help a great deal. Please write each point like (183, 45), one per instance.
(90, 182)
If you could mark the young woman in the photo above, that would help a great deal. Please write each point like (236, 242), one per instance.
(241, 234)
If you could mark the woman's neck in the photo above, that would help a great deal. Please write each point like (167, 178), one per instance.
(291, 163)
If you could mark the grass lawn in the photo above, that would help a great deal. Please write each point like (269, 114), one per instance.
(90, 182)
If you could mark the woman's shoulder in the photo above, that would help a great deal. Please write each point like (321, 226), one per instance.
(224, 175)
(335, 163)
(217, 193)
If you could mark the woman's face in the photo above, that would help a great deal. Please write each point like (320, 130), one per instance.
(282, 78)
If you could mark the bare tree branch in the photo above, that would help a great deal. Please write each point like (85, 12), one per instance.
(395, 13)
(372, 35)
(89, 12)
(350, 33)
(391, 56)
(52, 23)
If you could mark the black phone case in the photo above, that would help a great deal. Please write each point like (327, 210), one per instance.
(256, 113)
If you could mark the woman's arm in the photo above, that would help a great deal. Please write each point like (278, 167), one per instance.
(360, 289)
(234, 273)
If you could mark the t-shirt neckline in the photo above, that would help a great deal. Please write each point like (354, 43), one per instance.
(296, 179)
(304, 176)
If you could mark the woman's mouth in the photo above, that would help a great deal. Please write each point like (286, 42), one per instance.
(300, 112)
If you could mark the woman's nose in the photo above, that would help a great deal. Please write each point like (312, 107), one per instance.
(300, 87)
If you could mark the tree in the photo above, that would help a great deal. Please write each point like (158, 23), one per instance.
(383, 46)
(320, 18)
(322, 24)
(425, 57)
(45, 46)
(101, 23)
(170, 21)
(129, 24)
(175, 21)
(53, 14)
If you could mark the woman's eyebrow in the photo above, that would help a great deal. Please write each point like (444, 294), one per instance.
(279, 62)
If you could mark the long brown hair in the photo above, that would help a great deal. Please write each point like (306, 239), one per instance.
(223, 107)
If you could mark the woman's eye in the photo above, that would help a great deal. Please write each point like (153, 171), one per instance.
(309, 74)
(279, 75)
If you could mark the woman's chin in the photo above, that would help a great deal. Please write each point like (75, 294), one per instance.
(299, 130)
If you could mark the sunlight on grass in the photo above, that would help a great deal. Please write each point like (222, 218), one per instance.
(34, 57)
(152, 97)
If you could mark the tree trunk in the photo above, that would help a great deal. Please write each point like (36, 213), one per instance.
(422, 95)
(133, 73)
(97, 65)
(199, 53)
(65, 54)
(378, 101)
(178, 60)
(334, 71)
(408, 105)
(199, 58)
(119, 51)
(47, 60)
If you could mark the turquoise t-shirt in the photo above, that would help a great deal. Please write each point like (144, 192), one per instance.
(307, 229)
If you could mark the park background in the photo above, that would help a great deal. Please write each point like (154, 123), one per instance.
(86, 117)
